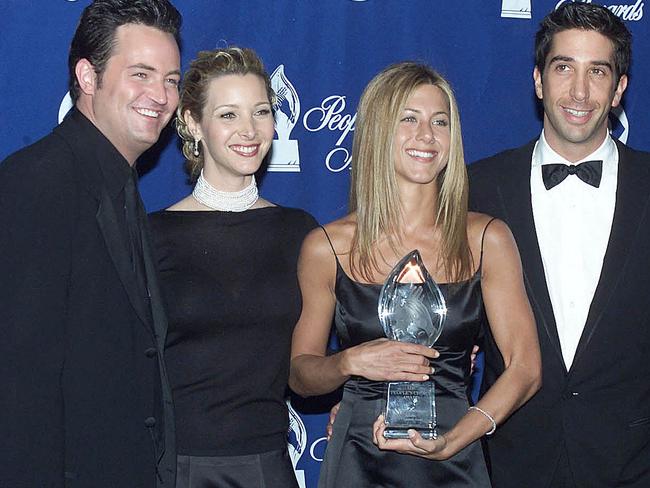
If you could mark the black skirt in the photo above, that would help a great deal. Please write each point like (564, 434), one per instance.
(271, 469)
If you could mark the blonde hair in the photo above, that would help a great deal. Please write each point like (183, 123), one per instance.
(373, 190)
(207, 66)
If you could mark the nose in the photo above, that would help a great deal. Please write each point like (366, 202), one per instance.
(247, 128)
(425, 133)
(158, 93)
(580, 87)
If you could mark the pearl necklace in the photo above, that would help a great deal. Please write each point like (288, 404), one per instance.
(226, 201)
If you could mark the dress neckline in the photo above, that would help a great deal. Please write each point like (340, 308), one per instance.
(340, 269)
(218, 212)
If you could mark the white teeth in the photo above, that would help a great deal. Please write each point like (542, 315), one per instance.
(147, 112)
(577, 113)
(245, 149)
(420, 154)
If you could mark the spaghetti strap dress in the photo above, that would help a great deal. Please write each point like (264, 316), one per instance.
(351, 459)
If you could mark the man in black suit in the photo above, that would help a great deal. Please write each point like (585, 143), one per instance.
(578, 205)
(86, 402)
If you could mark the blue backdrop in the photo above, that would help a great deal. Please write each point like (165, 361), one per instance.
(321, 55)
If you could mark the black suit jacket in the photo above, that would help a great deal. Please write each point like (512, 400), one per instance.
(600, 408)
(85, 402)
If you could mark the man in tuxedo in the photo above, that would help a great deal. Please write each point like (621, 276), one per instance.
(577, 202)
(86, 401)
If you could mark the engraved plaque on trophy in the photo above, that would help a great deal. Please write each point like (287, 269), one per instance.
(411, 309)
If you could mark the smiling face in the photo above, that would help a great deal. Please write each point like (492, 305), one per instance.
(138, 91)
(422, 139)
(578, 89)
(236, 129)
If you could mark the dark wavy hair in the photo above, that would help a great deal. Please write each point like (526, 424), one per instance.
(95, 35)
(585, 16)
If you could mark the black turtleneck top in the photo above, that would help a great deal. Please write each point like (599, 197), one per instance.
(231, 291)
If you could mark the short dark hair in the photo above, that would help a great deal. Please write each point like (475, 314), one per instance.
(585, 16)
(95, 35)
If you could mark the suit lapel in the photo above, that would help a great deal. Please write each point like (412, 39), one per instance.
(119, 252)
(514, 192)
(157, 310)
(632, 200)
(104, 178)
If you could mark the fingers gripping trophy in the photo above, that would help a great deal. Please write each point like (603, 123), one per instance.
(411, 309)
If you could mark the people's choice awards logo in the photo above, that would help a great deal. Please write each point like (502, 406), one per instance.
(297, 442)
(331, 115)
(624, 11)
(516, 9)
(521, 9)
(64, 107)
(285, 156)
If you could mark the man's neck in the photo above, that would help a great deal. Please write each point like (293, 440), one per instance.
(574, 152)
(84, 106)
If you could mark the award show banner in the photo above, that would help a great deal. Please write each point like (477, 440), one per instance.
(321, 54)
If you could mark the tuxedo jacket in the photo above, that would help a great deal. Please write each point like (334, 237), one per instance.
(85, 399)
(599, 410)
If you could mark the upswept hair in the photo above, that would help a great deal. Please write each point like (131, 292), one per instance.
(585, 16)
(94, 38)
(374, 193)
(207, 66)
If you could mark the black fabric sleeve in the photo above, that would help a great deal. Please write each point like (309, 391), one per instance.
(36, 216)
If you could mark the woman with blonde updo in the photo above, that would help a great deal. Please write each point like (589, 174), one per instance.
(409, 191)
(227, 261)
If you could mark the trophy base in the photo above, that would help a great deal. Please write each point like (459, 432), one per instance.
(410, 405)
(403, 434)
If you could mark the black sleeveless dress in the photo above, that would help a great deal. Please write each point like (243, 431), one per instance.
(351, 459)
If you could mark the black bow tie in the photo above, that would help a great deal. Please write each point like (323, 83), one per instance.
(590, 172)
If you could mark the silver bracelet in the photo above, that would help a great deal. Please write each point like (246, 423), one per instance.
(489, 417)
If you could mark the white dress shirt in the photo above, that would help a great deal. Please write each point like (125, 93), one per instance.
(573, 221)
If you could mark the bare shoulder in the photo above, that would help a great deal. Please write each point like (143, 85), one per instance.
(341, 233)
(485, 229)
(492, 240)
(337, 235)
(319, 253)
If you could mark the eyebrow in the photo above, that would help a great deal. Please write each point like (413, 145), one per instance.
(234, 105)
(443, 112)
(151, 68)
(226, 105)
(568, 59)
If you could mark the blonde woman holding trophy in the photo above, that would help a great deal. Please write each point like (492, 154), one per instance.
(409, 192)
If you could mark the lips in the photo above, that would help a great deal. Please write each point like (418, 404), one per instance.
(577, 115)
(246, 151)
(154, 114)
(414, 153)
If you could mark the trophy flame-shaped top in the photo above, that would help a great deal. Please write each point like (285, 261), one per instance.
(411, 272)
(411, 306)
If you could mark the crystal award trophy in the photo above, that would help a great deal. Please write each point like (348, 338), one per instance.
(411, 309)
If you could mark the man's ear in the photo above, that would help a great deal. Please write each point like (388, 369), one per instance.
(86, 76)
(537, 76)
(620, 89)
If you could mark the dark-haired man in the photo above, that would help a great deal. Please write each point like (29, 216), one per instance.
(86, 402)
(578, 205)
